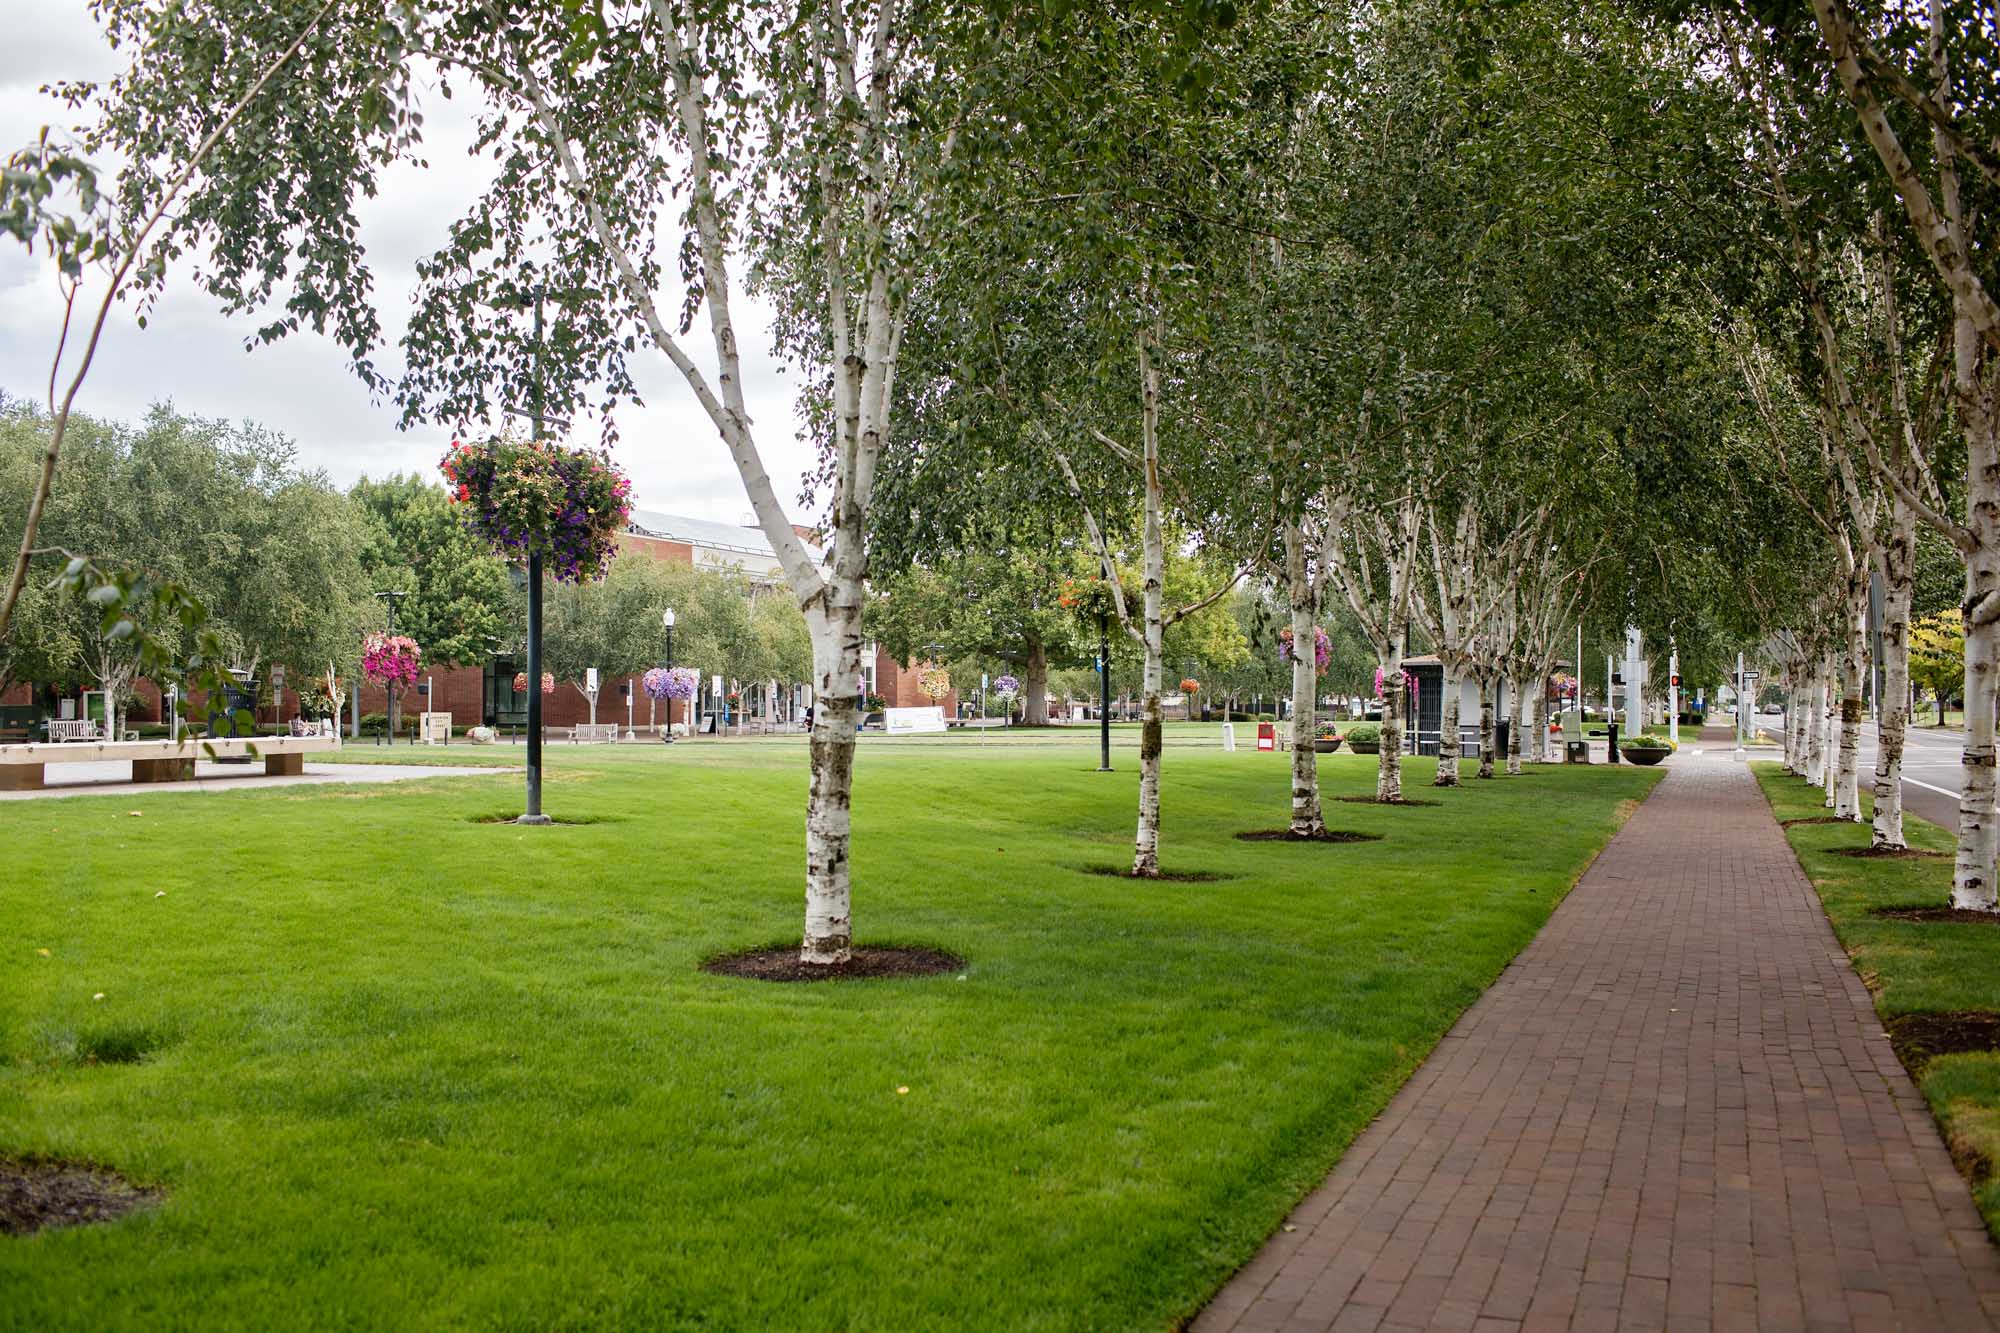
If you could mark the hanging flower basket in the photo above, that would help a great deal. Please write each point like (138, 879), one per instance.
(670, 682)
(1006, 687)
(390, 659)
(531, 497)
(1190, 686)
(1322, 648)
(934, 683)
(521, 682)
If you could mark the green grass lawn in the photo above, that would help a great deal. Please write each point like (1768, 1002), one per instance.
(1910, 966)
(404, 1068)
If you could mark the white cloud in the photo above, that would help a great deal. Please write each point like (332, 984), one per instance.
(194, 357)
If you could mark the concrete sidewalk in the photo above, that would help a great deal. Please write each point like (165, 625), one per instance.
(1676, 1109)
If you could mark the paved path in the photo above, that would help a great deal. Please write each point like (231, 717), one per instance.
(1676, 1109)
(114, 778)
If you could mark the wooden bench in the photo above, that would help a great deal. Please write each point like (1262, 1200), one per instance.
(21, 766)
(64, 730)
(594, 733)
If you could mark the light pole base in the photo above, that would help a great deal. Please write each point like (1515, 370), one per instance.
(534, 819)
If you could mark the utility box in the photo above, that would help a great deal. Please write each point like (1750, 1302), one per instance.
(1267, 735)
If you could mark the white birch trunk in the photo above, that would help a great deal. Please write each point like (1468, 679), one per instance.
(1978, 395)
(1847, 782)
(1815, 723)
(1829, 695)
(1516, 713)
(1146, 844)
(1306, 818)
(1972, 883)
(1893, 714)
(1389, 764)
(836, 641)
(1795, 727)
(1448, 756)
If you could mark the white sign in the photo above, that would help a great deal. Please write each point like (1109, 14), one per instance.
(716, 685)
(434, 728)
(590, 680)
(914, 719)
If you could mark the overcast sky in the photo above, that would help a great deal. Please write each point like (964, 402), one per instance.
(193, 357)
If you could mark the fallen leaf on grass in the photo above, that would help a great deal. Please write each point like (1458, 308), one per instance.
(161, 894)
(903, 1091)
(135, 813)
(98, 996)
(43, 952)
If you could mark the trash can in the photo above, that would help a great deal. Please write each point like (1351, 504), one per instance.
(1613, 733)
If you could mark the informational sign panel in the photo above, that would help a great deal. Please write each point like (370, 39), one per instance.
(910, 720)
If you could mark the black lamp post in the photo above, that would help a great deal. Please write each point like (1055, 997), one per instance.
(667, 620)
(533, 814)
(536, 397)
(389, 599)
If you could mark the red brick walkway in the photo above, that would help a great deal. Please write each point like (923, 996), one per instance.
(1676, 1109)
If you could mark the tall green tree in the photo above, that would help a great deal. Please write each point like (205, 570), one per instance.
(456, 600)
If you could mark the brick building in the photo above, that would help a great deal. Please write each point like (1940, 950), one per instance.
(485, 694)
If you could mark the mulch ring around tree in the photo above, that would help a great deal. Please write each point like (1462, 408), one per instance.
(1816, 819)
(1961, 915)
(1370, 800)
(572, 822)
(1164, 876)
(37, 1195)
(1890, 853)
(1324, 835)
(1922, 1038)
(782, 964)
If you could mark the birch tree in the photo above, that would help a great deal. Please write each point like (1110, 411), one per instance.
(637, 152)
(1936, 77)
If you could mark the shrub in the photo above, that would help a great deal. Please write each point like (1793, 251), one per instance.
(1364, 733)
(1645, 743)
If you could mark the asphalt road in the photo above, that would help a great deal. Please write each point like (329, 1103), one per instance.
(1932, 774)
